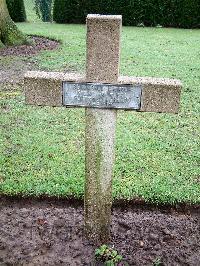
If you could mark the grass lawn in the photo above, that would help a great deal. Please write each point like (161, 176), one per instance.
(157, 155)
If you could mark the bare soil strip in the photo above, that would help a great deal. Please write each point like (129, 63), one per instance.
(50, 232)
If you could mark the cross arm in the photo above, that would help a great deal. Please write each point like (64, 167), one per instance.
(158, 95)
(45, 88)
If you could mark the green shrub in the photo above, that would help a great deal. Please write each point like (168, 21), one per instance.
(43, 9)
(16, 10)
(168, 13)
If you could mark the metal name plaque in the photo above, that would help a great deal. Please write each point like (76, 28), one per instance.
(102, 95)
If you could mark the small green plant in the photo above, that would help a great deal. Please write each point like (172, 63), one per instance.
(107, 255)
(157, 262)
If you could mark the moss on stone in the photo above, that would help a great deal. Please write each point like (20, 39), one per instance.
(10, 35)
(1, 44)
(13, 37)
(98, 162)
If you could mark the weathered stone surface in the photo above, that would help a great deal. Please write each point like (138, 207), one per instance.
(103, 49)
(99, 160)
(45, 88)
(158, 94)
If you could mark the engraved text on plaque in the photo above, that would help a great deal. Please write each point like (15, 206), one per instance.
(102, 95)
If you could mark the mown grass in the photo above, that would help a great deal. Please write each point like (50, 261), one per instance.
(157, 155)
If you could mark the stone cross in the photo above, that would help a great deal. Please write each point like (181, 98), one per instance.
(102, 91)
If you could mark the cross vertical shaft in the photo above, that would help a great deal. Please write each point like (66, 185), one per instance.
(103, 52)
(59, 89)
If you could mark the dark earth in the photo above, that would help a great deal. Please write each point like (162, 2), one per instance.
(39, 43)
(50, 232)
(20, 59)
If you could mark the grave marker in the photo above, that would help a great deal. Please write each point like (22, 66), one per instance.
(102, 92)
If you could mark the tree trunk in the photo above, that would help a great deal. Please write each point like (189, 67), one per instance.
(9, 33)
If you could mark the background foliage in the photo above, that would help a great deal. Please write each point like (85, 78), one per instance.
(168, 13)
(17, 10)
(43, 9)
